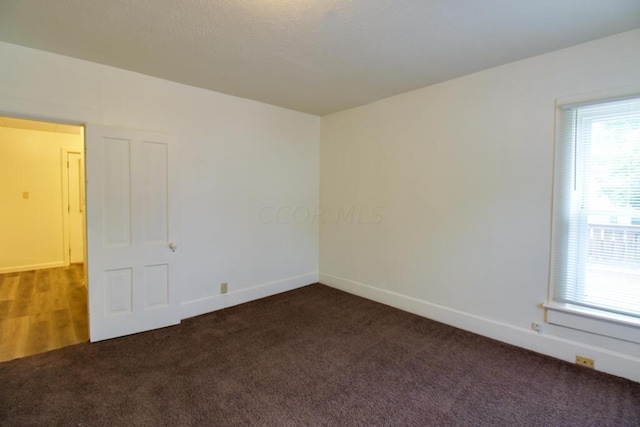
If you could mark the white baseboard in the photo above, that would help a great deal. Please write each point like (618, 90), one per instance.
(608, 361)
(218, 302)
(42, 266)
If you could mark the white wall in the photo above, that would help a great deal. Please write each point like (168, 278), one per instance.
(235, 157)
(455, 183)
(32, 228)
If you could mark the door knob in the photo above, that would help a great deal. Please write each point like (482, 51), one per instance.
(173, 246)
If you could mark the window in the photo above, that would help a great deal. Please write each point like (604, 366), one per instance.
(596, 232)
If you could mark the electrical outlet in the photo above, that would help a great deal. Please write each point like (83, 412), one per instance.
(536, 326)
(224, 287)
(584, 361)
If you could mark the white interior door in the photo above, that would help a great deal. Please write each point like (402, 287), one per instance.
(75, 181)
(130, 224)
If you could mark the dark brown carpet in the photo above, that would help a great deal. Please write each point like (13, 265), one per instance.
(313, 356)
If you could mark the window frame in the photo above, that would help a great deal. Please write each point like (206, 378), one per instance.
(581, 317)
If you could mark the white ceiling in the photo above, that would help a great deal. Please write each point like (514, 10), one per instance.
(316, 56)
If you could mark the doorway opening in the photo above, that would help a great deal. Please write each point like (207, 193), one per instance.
(43, 280)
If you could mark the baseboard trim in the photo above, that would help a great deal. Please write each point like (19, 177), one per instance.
(42, 266)
(218, 302)
(608, 361)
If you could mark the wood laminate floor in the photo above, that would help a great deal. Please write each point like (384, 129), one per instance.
(42, 310)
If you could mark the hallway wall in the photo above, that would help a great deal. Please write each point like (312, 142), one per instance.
(31, 198)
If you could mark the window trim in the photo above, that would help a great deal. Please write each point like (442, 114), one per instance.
(592, 320)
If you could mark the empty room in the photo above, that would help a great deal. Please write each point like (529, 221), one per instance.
(305, 212)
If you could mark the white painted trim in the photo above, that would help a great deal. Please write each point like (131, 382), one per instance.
(608, 361)
(30, 267)
(594, 321)
(218, 302)
(605, 95)
(64, 191)
(66, 214)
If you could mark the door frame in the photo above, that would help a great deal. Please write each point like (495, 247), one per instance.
(66, 214)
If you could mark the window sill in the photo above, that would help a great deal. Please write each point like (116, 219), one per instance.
(594, 321)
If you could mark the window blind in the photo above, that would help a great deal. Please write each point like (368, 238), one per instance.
(596, 216)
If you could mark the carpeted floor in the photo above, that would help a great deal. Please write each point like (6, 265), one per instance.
(313, 356)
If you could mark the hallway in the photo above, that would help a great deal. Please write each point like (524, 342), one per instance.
(42, 310)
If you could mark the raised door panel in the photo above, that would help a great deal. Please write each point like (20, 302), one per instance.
(116, 193)
(156, 192)
(156, 286)
(119, 292)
